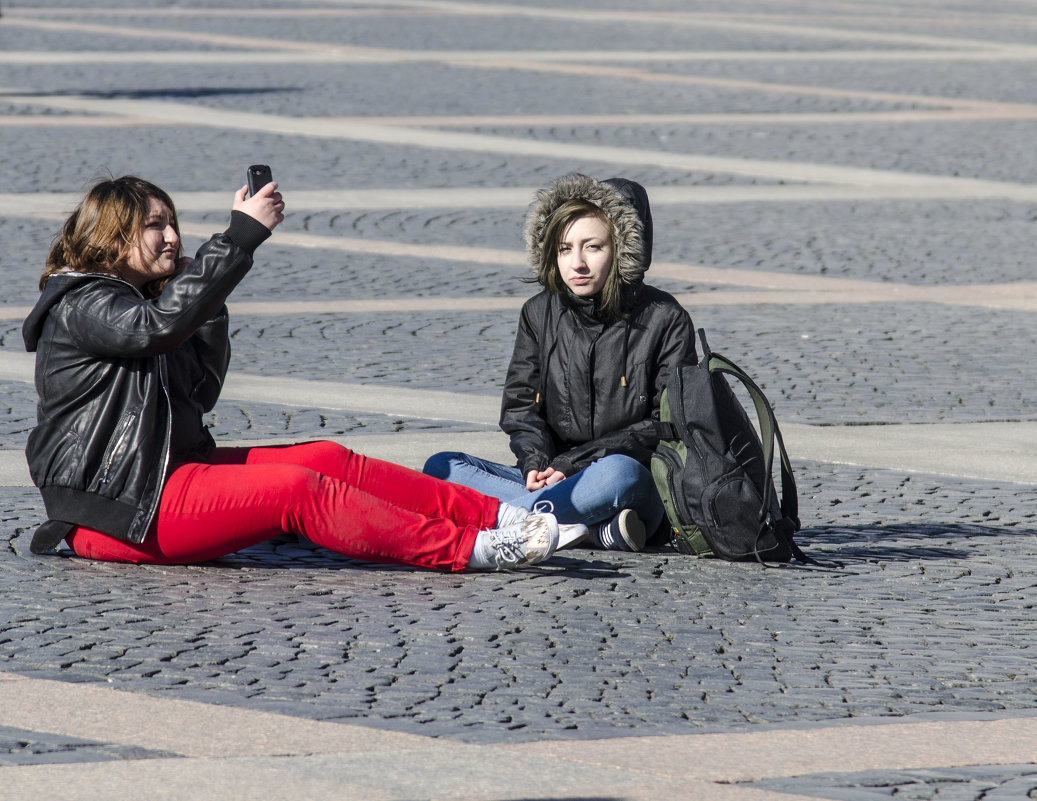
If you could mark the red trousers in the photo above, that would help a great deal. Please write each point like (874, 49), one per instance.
(351, 504)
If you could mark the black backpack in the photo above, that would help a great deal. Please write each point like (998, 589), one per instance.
(713, 473)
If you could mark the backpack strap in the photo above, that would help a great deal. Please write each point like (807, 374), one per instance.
(666, 431)
(769, 432)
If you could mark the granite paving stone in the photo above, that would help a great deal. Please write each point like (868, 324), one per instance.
(930, 616)
(867, 660)
(994, 783)
(311, 163)
(24, 747)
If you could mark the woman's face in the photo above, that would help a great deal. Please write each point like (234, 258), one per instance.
(585, 255)
(154, 254)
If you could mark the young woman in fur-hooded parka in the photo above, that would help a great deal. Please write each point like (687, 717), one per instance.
(592, 354)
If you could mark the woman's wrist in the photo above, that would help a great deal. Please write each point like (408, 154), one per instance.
(246, 232)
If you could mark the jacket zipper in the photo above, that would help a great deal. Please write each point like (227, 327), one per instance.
(162, 372)
(120, 437)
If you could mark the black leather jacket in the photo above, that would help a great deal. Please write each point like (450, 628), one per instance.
(565, 404)
(123, 382)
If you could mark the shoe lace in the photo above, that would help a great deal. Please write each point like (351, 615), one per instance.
(509, 544)
(543, 507)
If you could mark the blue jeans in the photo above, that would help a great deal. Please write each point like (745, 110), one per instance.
(593, 495)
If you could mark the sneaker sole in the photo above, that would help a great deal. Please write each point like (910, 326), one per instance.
(571, 535)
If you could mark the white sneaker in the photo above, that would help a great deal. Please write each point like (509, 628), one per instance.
(569, 534)
(509, 515)
(522, 544)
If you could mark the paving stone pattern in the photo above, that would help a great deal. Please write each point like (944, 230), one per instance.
(594, 645)
(23, 747)
(931, 614)
(996, 783)
(299, 162)
(818, 364)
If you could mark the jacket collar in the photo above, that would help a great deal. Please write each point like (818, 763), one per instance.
(57, 287)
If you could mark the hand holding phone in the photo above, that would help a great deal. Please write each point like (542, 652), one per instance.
(267, 209)
(258, 176)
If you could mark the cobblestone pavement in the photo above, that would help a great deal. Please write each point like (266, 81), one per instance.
(879, 148)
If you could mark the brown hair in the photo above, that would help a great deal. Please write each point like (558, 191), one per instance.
(610, 300)
(99, 235)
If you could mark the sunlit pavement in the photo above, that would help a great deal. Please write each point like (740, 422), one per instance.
(844, 198)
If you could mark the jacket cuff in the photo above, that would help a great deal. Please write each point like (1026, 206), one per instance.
(564, 466)
(246, 232)
(530, 464)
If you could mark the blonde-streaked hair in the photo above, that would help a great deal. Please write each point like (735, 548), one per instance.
(548, 274)
(99, 235)
(576, 195)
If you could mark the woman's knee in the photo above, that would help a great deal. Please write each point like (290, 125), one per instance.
(440, 465)
(325, 451)
(295, 479)
(625, 469)
(323, 455)
(629, 479)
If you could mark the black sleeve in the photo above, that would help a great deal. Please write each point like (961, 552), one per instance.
(122, 324)
(521, 411)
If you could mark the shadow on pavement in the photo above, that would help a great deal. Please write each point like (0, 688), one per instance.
(903, 541)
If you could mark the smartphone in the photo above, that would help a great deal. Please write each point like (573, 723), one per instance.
(258, 176)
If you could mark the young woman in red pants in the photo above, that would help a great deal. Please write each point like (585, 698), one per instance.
(132, 347)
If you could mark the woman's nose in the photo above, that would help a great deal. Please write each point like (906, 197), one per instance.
(170, 234)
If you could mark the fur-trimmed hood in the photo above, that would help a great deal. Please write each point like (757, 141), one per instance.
(623, 202)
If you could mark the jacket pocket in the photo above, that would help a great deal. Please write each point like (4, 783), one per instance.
(55, 455)
(617, 406)
(116, 459)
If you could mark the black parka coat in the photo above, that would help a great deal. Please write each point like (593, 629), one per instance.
(577, 388)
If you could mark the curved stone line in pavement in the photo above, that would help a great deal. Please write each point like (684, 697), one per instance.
(736, 84)
(641, 17)
(197, 57)
(950, 187)
(534, 62)
(762, 287)
(1004, 297)
(1000, 451)
(233, 753)
(597, 120)
(56, 205)
(730, 22)
(777, 287)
